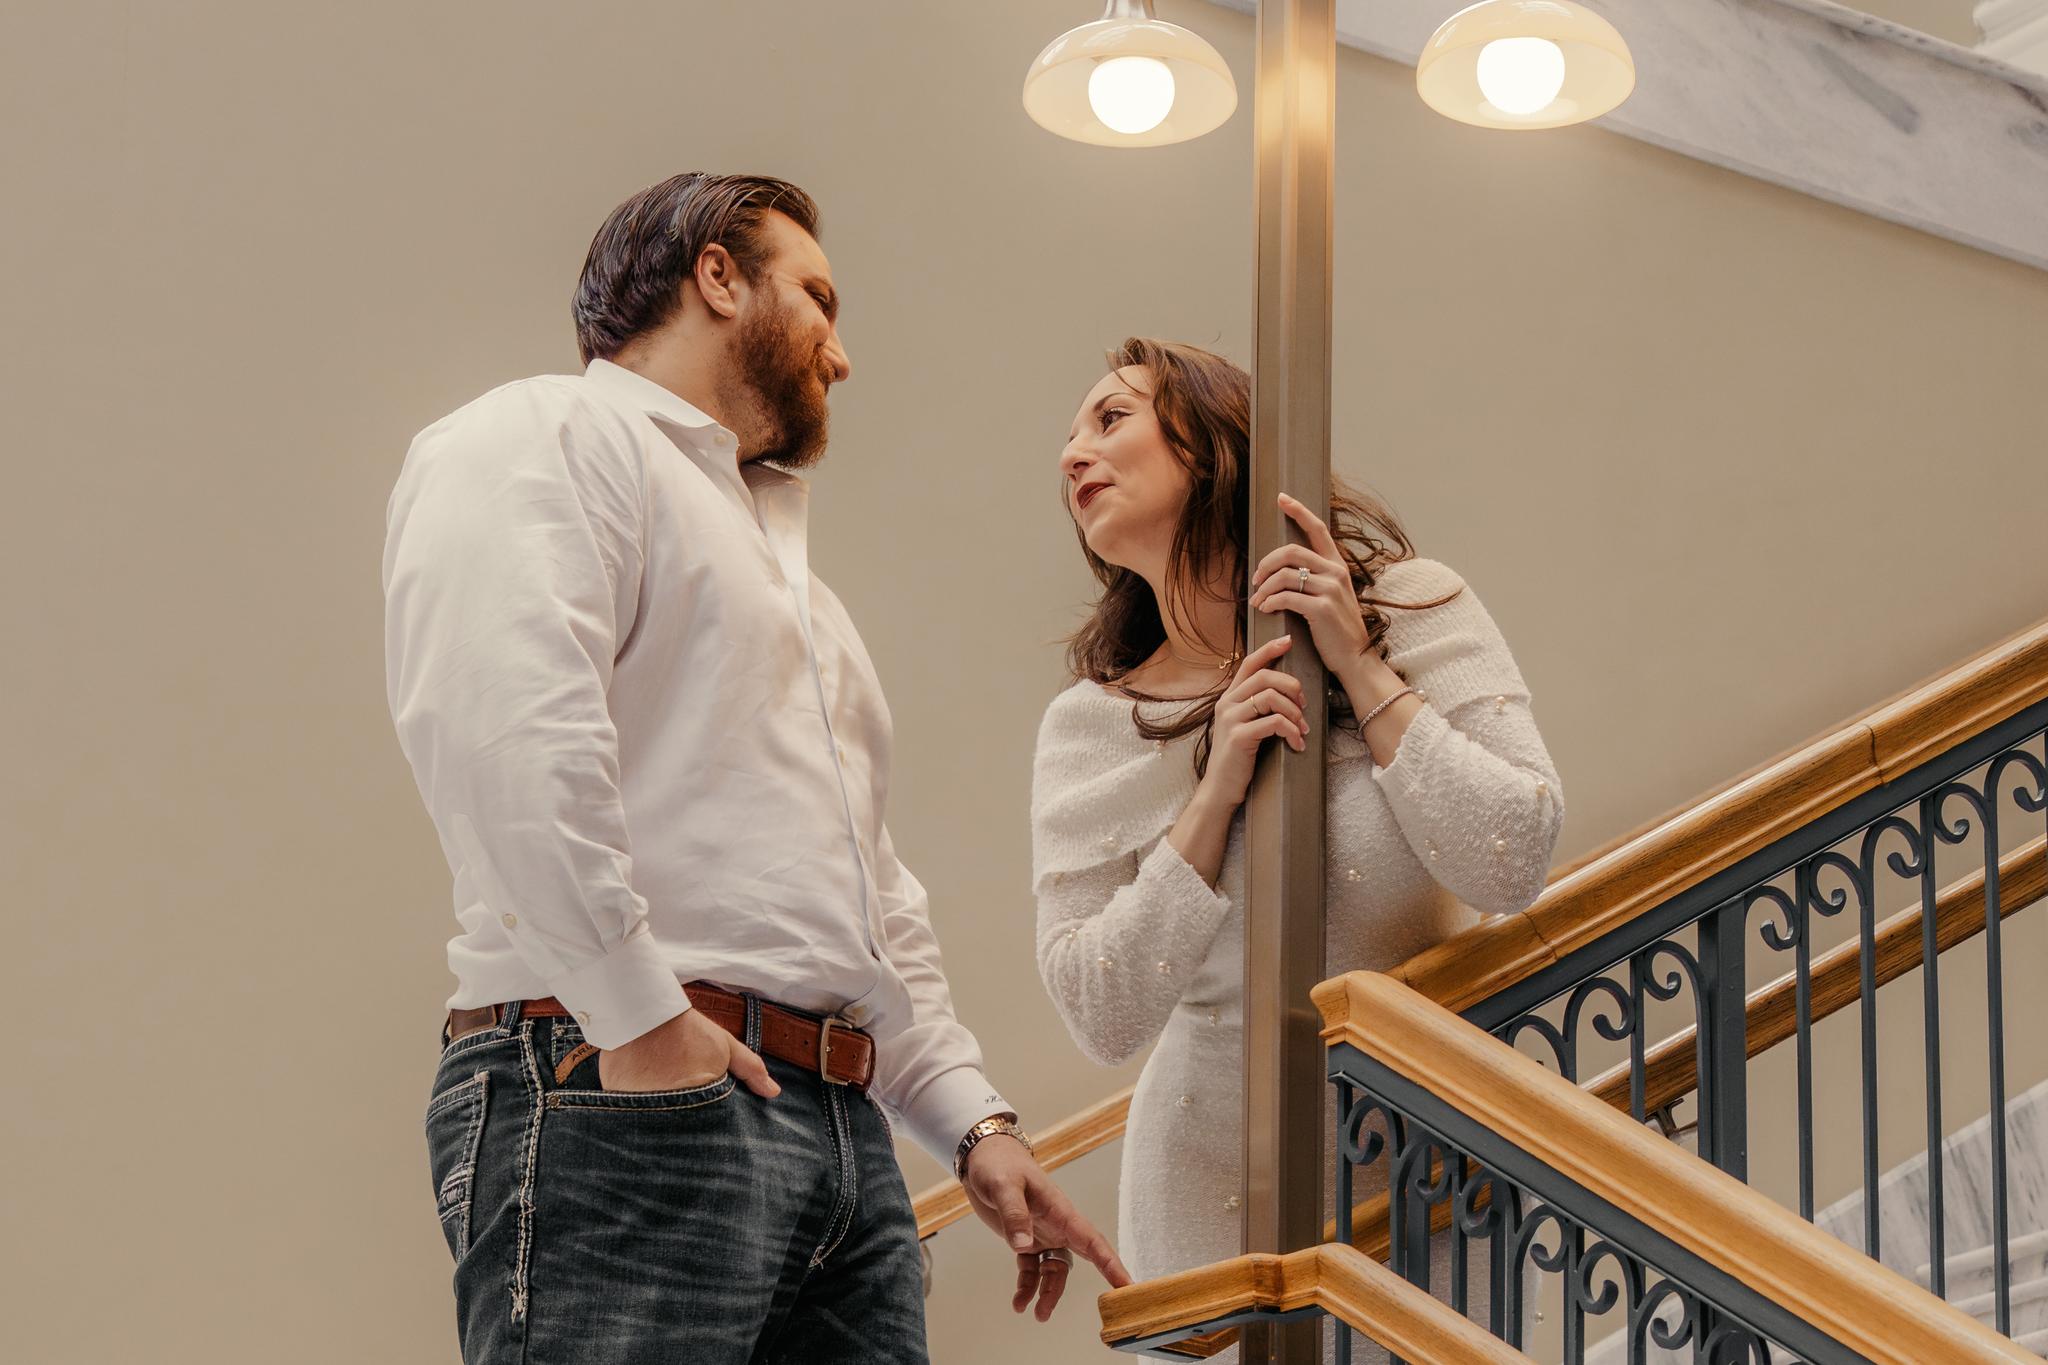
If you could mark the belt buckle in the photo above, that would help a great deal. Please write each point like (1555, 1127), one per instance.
(825, 1027)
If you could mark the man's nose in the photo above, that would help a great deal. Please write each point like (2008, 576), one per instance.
(835, 353)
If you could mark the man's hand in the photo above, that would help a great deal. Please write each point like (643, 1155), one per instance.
(687, 1051)
(1011, 1192)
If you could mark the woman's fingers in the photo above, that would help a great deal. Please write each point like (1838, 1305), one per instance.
(1274, 703)
(1249, 686)
(1287, 555)
(1281, 726)
(1256, 730)
(1288, 600)
(1312, 526)
(1296, 557)
(1259, 658)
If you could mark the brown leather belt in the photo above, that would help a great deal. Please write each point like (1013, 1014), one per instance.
(837, 1051)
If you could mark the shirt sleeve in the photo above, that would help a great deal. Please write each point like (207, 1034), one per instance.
(929, 1073)
(512, 569)
(1117, 944)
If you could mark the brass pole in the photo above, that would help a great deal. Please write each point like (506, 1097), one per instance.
(1284, 855)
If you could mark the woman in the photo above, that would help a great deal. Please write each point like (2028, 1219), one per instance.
(1441, 799)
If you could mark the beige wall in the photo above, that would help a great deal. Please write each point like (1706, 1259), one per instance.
(1954, 20)
(1726, 463)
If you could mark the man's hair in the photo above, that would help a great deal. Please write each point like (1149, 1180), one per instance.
(633, 277)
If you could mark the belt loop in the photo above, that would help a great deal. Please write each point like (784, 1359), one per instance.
(752, 1027)
(508, 1015)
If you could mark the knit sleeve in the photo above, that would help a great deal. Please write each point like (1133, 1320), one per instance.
(1117, 944)
(1471, 785)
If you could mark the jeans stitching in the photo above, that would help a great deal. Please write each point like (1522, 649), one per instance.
(843, 1205)
(472, 1145)
(608, 1101)
(470, 1042)
(534, 1107)
(451, 1095)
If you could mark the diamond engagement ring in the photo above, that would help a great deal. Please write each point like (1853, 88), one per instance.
(1304, 581)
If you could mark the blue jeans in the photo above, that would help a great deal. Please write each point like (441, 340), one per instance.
(686, 1227)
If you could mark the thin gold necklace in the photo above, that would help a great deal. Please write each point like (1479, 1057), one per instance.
(1223, 667)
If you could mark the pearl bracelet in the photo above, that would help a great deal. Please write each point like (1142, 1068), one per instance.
(1374, 714)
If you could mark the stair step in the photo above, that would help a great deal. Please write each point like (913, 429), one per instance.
(1970, 1272)
(2029, 1307)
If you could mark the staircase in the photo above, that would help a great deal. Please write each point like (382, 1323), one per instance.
(1904, 1199)
(1845, 868)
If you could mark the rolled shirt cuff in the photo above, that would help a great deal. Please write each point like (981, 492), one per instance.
(622, 994)
(947, 1106)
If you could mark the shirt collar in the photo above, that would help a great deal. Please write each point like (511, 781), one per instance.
(664, 405)
(712, 446)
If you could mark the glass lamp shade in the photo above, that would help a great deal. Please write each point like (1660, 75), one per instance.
(1525, 64)
(1156, 81)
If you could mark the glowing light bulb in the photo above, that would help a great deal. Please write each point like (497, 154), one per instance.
(1520, 75)
(1131, 94)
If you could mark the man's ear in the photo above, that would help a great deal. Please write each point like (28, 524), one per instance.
(718, 274)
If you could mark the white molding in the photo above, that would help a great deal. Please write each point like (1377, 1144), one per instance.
(1816, 97)
(2015, 31)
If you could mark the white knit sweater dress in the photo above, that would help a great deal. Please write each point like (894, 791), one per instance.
(1136, 949)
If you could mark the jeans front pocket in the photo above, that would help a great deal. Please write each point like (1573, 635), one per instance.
(642, 1101)
(455, 1129)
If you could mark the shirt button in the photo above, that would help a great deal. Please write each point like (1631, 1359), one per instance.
(511, 920)
(583, 1018)
(842, 753)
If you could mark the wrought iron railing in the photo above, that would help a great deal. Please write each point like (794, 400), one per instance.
(1496, 1167)
(1672, 985)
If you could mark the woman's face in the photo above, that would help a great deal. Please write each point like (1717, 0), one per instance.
(1124, 485)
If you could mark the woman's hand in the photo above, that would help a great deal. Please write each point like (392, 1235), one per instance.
(1323, 597)
(1260, 703)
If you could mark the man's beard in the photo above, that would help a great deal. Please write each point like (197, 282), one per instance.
(788, 390)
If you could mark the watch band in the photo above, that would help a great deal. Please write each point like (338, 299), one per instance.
(1004, 1124)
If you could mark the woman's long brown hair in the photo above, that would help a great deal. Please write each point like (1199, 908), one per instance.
(1203, 402)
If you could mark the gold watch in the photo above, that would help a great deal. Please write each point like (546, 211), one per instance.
(1004, 1124)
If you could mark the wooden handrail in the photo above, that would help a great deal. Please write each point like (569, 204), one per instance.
(1597, 896)
(1744, 1234)
(1592, 894)
(1340, 1280)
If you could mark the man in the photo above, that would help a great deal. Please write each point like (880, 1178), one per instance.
(692, 975)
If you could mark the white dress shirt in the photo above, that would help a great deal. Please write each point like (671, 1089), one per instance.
(652, 742)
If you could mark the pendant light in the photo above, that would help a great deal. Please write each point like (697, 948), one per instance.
(1129, 80)
(1525, 64)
